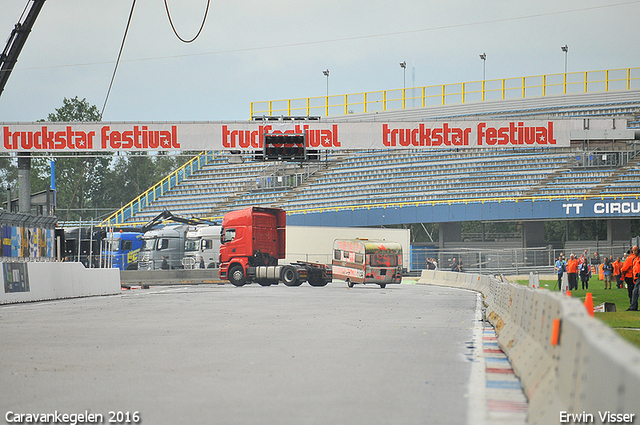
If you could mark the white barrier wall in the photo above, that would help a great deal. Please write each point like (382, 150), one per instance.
(591, 370)
(49, 280)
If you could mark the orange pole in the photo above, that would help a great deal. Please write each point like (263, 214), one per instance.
(555, 332)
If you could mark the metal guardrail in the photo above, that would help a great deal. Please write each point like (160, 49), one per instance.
(451, 94)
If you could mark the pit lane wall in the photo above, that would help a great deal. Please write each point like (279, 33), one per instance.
(590, 370)
(40, 281)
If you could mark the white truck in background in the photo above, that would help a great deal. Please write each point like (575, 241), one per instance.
(202, 248)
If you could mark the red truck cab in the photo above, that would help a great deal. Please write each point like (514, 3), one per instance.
(252, 241)
(251, 237)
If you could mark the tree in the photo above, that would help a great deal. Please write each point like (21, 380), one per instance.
(79, 176)
(75, 110)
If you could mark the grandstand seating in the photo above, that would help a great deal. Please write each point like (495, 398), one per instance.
(368, 178)
(365, 178)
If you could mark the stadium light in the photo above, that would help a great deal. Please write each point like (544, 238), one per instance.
(326, 74)
(403, 65)
(484, 65)
(565, 49)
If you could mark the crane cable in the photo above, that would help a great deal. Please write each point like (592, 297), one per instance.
(204, 19)
(113, 76)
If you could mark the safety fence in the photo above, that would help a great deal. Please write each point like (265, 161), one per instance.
(568, 362)
(508, 261)
(451, 94)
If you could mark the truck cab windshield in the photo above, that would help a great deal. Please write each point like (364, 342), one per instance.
(191, 245)
(113, 245)
(148, 244)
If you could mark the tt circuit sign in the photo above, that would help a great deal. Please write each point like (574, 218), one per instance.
(54, 137)
(600, 208)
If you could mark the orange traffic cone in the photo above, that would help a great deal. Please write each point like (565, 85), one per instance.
(588, 304)
(568, 293)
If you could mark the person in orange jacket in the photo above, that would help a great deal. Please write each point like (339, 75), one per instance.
(636, 287)
(572, 272)
(616, 272)
(627, 271)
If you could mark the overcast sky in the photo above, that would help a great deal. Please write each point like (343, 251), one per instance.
(253, 50)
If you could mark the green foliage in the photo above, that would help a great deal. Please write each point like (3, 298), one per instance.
(75, 110)
(587, 230)
(555, 231)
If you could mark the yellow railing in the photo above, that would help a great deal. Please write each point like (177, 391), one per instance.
(451, 94)
(123, 214)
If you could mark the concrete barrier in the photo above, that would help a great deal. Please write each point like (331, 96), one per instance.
(145, 278)
(591, 370)
(39, 281)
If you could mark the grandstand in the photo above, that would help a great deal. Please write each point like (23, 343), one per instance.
(592, 167)
(228, 181)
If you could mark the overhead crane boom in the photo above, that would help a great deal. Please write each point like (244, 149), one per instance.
(16, 41)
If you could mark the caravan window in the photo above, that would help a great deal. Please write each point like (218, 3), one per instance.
(348, 256)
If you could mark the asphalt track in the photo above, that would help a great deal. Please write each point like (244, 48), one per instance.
(214, 354)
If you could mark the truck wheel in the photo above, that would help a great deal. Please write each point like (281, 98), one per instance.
(236, 275)
(317, 281)
(349, 283)
(289, 276)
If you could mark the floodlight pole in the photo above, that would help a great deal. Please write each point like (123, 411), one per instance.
(326, 74)
(403, 65)
(484, 70)
(565, 49)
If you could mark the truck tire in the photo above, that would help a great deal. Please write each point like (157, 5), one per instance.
(349, 283)
(317, 281)
(290, 276)
(236, 275)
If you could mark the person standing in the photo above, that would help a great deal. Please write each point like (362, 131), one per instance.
(627, 271)
(607, 272)
(636, 287)
(165, 264)
(560, 268)
(572, 272)
(455, 267)
(616, 272)
(585, 275)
